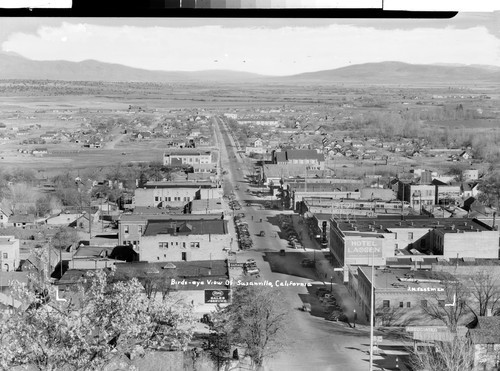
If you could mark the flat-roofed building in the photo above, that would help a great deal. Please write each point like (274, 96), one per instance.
(131, 226)
(392, 236)
(184, 240)
(187, 157)
(402, 295)
(207, 206)
(175, 194)
(9, 253)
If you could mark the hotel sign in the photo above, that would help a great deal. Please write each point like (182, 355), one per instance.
(363, 248)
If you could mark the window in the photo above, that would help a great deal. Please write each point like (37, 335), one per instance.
(184, 256)
(5, 255)
(139, 229)
(441, 303)
(395, 236)
(184, 245)
(194, 244)
(410, 235)
(386, 304)
(156, 198)
(163, 245)
(401, 304)
(125, 229)
(169, 198)
(423, 303)
(408, 304)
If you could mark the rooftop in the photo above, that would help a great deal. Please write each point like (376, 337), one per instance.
(156, 227)
(207, 204)
(407, 279)
(192, 184)
(187, 152)
(168, 217)
(486, 330)
(386, 225)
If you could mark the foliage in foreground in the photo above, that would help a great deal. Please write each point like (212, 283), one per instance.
(455, 355)
(103, 321)
(256, 321)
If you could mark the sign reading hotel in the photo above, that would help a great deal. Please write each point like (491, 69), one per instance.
(217, 296)
(363, 248)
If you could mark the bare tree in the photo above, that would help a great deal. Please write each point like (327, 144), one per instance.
(454, 355)
(449, 306)
(485, 289)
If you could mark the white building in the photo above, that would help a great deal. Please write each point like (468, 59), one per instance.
(187, 157)
(9, 253)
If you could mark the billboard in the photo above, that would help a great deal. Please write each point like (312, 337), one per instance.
(217, 296)
(363, 248)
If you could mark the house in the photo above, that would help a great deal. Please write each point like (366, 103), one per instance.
(21, 221)
(466, 155)
(143, 135)
(469, 189)
(484, 335)
(64, 219)
(4, 217)
(9, 253)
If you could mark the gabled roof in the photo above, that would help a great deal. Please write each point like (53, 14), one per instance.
(22, 218)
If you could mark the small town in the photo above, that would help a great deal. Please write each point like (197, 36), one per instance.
(250, 225)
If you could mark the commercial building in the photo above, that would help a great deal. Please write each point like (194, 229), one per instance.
(401, 296)
(417, 195)
(355, 207)
(351, 239)
(187, 157)
(184, 240)
(175, 194)
(207, 206)
(132, 226)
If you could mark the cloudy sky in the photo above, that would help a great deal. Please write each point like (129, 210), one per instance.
(265, 46)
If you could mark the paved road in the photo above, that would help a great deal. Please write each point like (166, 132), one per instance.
(315, 344)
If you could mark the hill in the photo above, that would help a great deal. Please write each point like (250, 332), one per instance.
(401, 73)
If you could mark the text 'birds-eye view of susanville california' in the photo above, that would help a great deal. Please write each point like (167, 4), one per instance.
(250, 194)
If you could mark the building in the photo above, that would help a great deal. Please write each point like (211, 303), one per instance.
(447, 193)
(93, 257)
(355, 207)
(187, 157)
(484, 335)
(21, 221)
(351, 240)
(299, 156)
(298, 191)
(259, 122)
(184, 240)
(9, 253)
(131, 226)
(207, 206)
(175, 194)
(417, 194)
(401, 295)
(4, 218)
(63, 219)
(470, 175)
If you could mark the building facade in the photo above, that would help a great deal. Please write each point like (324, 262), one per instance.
(187, 157)
(9, 253)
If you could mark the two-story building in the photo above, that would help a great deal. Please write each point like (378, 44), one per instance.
(9, 253)
(184, 240)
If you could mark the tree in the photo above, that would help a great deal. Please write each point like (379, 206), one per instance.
(64, 237)
(451, 315)
(255, 320)
(105, 320)
(454, 355)
(484, 288)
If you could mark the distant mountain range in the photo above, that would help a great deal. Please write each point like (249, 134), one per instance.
(13, 66)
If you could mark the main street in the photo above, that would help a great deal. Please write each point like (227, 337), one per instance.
(314, 343)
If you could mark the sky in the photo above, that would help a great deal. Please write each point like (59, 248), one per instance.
(263, 46)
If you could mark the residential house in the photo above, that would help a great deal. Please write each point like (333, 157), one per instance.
(64, 218)
(40, 151)
(21, 221)
(4, 218)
